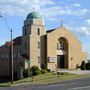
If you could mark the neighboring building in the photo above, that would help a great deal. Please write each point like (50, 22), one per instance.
(56, 48)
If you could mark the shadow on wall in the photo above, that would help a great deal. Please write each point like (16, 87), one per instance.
(4, 79)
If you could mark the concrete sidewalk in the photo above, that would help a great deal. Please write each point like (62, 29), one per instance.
(75, 71)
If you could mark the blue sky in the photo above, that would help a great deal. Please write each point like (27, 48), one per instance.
(74, 13)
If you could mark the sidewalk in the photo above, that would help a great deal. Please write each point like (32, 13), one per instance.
(75, 71)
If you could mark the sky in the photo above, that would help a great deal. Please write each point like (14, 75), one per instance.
(75, 15)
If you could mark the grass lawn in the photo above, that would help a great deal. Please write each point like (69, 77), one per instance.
(44, 79)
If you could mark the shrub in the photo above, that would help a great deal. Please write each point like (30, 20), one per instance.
(35, 70)
(27, 73)
(44, 66)
(88, 66)
(48, 70)
(43, 71)
(83, 65)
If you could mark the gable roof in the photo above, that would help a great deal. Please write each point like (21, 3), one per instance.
(48, 31)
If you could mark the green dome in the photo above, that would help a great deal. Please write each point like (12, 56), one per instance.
(33, 15)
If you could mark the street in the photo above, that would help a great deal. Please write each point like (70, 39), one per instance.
(77, 84)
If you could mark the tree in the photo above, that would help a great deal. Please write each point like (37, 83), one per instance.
(88, 66)
(83, 65)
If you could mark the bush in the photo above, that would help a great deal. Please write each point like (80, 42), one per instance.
(35, 70)
(88, 66)
(43, 66)
(48, 70)
(27, 73)
(43, 71)
(83, 65)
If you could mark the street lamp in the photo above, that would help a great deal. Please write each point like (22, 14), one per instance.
(11, 48)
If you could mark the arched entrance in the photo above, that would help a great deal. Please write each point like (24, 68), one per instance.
(62, 53)
(21, 65)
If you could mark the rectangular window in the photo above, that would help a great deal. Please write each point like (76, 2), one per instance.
(25, 32)
(2, 56)
(6, 56)
(38, 31)
(38, 44)
(19, 53)
(30, 30)
(14, 55)
(38, 59)
(61, 46)
(25, 45)
(57, 46)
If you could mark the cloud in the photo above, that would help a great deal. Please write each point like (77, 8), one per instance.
(54, 11)
(80, 27)
(77, 5)
(87, 21)
(84, 31)
(18, 7)
(48, 8)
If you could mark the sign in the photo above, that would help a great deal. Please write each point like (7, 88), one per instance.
(51, 59)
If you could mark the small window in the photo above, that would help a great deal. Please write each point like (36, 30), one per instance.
(5, 56)
(61, 46)
(2, 56)
(25, 32)
(14, 55)
(38, 59)
(38, 31)
(30, 31)
(19, 53)
(38, 44)
(57, 46)
(25, 45)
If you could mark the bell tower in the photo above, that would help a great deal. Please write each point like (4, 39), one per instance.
(32, 33)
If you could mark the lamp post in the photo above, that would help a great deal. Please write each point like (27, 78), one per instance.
(11, 48)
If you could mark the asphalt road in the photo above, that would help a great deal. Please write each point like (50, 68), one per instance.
(77, 84)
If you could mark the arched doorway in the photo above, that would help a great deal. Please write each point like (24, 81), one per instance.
(62, 53)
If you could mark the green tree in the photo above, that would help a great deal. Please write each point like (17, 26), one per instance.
(88, 66)
(83, 65)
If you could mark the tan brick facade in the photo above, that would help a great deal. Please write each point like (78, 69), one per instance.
(74, 54)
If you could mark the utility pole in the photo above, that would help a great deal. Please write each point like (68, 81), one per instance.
(11, 57)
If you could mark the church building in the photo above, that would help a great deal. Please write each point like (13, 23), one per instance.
(51, 49)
